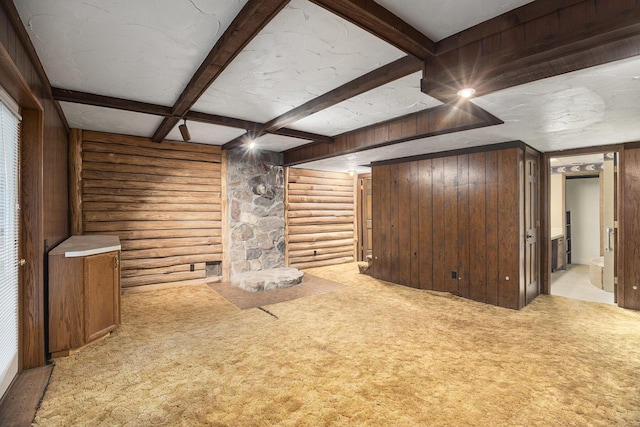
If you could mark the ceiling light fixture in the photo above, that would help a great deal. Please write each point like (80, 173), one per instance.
(252, 145)
(467, 92)
(186, 136)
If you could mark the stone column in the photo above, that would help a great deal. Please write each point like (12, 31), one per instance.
(255, 192)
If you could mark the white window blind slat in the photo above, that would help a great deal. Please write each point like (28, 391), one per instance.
(9, 234)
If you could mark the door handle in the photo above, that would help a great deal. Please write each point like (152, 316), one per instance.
(609, 231)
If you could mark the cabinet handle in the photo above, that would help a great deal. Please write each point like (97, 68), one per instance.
(116, 262)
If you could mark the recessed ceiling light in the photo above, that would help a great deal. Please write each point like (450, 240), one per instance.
(252, 145)
(467, 92)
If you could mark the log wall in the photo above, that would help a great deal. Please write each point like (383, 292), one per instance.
(320, 220)
(162, 200)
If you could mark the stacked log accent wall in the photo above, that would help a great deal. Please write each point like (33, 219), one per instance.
(452, 224)
(162, 200)
(320, 227)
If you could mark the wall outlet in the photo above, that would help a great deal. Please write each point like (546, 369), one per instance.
(454, 274)
(192, 267)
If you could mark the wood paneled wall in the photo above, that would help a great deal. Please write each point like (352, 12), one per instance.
(162, 199)
(320, 219)
(44, 197)
(629, 252)
(452, 224)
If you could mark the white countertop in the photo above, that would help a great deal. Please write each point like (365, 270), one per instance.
(77, 246)
(556, 233)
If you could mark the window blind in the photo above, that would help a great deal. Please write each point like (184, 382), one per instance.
(9, 234)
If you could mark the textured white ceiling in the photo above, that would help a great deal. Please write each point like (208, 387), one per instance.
(302, 53)
(278, 143)
(394, 99)
(109, 120)
(147, 50)
(139, 50)
(439, 19)
(592, 107)
(207, 134)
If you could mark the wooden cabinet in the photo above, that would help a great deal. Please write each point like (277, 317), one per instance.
(557, 253)
(84, 292)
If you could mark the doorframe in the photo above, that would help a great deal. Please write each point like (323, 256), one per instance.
(360, 207)
(31, 291)
(545, 219)
(530, 152)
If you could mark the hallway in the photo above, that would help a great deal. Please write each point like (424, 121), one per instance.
(574, 283)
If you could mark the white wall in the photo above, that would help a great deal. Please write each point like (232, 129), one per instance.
(583, 200)
(556, 201)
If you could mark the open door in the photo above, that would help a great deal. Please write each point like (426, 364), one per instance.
(365, 217)
(609, 223)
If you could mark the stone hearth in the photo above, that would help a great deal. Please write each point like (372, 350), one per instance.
(272, 278)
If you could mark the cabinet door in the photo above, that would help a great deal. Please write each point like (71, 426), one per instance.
(101, 294)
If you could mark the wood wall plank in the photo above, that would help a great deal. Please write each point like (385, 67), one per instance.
(320, 227)
(414, 246)
(450, 203)
(439, 227)
(162, 200)
(452, 214)
(394, 218)
(381, 223)
(464, 224)
(425, 231)
(492, 236)
(477, 227)
(630, 297)
(508, 228)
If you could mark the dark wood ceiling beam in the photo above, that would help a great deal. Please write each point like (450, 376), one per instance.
(293, 133)
(246, 25)
(370, 16)
(378, 77)
(214, 119)
(579, 35)
(237, 142)
(504, 22)
(78, 97)
(253, 127)
(434, 121)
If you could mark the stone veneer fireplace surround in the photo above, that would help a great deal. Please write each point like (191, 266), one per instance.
(255, 194)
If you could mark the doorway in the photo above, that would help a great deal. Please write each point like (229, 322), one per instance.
(582, 226)
(365, 214)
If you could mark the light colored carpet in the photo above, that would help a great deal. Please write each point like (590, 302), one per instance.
(370, 354)
(310, 285)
